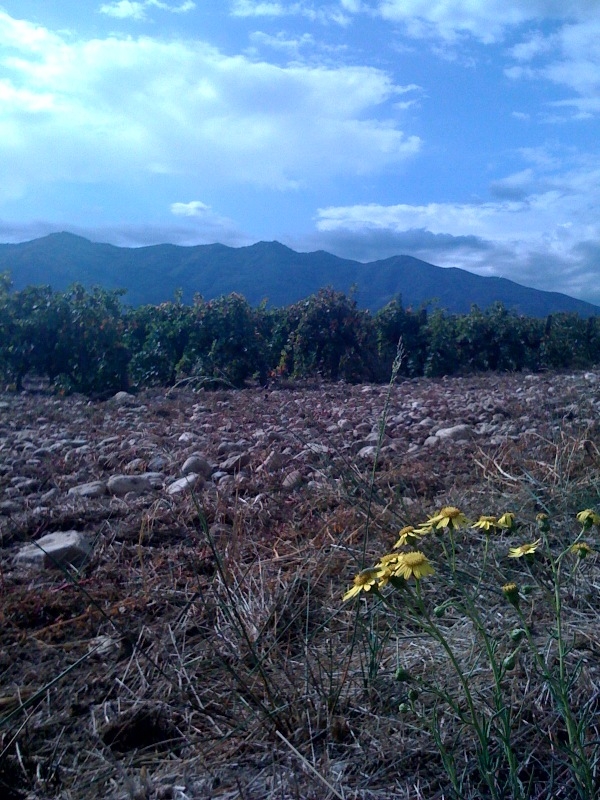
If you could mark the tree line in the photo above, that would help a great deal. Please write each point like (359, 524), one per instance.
(88, 341)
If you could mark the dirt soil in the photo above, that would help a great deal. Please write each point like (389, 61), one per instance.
(193, 654)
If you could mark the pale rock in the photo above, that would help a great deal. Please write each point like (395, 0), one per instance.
(292, 480)
(197, 463)
(120, 485)
(56, 550)
(123, 399)
(103, 646)
(368, 452)
(190, 481)
(462, 431)
(91, 489)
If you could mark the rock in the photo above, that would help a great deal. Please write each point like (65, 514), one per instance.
(104, 646)
(292, 480)
(197, 463)
(135, 465)
(120, 485)
(158, 463)
(8, 507)
(91, 489)
(189, 481)
(156, 479)
(273, 462)
(368, 452)
(123, 399)
(455, 432)
(235, 463)
(56, 550)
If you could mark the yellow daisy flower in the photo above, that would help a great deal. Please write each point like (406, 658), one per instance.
(588, 518)
(524, 549)
(413, 564)
(581, 549)
(448, 517)
(507, 520)
(408, 535)
(543, 521)
(363, 582)
(511, 592)
(485, 523)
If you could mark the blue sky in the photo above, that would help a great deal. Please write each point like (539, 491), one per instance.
(462, 132)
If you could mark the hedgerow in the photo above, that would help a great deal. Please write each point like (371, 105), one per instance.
(88, 341)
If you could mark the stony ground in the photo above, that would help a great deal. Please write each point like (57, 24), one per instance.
(105, 674)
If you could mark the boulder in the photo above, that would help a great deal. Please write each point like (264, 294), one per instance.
(91, 489)
(121, 485)
(198, 464)
(56, 550)
(461, 431)
(189, 481)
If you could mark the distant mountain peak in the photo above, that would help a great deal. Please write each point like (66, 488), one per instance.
(152, 275)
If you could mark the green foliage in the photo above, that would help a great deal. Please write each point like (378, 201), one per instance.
(87, 342)
(332, 338)
(394, 323)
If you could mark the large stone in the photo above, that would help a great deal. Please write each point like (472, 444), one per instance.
(235, 463)
(197, 463)
(189, 481)
(121, 485)
(92, 489)
(123, 399)
(462, 431)
(56, 550)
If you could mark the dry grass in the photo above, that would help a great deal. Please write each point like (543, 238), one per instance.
(187, 664)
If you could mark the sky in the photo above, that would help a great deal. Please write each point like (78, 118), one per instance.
(462, 132)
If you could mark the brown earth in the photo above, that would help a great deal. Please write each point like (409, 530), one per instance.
(199, 651)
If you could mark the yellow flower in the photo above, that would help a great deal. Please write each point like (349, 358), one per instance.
(448, 517)
(581, 549)
(588, 518)
(363, 582)
(507, 520)
(524, 549)
(408, 535)
(543, 522)
(511, 592)
(413, 564)
(386, 560)
(485, 523)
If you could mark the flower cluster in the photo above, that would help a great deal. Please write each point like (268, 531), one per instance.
(415, 564)
(394, 565)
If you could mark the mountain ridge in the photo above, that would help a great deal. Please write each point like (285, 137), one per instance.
(268, 271)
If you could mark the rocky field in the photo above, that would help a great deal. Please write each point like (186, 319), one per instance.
(168, 560)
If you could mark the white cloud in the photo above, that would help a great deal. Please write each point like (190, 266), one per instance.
(115, 108)
(315, 11)
(532, 233)
(569, 58)
(485, 20)
(136, 9)
(195, 208)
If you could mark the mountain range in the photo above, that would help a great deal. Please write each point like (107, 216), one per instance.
(265, 271)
